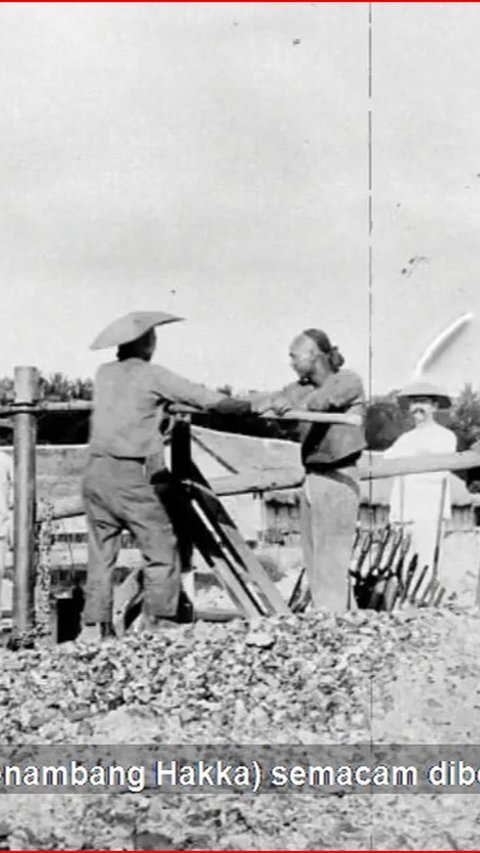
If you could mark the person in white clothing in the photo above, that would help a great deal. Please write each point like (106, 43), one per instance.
(417, 500)
(6, 503)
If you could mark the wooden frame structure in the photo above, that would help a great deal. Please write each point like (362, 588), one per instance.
(210, 527)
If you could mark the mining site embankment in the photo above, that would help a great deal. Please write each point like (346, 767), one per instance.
(401, 678)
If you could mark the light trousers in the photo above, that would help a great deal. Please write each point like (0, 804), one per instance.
(329, 510)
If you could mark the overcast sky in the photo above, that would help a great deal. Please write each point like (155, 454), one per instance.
(211, 160)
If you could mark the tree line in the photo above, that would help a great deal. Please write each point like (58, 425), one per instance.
(386, 417)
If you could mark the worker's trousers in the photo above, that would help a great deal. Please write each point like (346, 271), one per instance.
(118, 496)
(329, 510)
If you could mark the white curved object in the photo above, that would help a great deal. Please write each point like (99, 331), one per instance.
(440, 343)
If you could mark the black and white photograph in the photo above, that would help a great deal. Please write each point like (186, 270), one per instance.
(239, 426)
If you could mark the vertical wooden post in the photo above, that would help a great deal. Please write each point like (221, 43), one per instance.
(26, 393)
(181, 448)
(181, 461)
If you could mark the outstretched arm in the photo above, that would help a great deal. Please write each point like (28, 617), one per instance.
(293, 396)
(176, 389)
(261, 403)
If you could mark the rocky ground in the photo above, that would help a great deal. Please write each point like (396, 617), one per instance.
(401, 678)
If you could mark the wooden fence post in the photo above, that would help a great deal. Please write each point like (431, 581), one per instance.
(181, 462)
(181, 448)
(25, 431)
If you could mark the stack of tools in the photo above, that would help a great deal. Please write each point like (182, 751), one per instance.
(386, 575)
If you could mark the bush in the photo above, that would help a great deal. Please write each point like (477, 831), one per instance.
(464, 417)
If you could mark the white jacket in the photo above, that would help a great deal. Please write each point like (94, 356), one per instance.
(416, 497)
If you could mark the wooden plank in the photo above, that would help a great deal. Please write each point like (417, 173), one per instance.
(229, 574)
(411, 570)
(391, 551)
(376, 468)
(126, 595)
(240, 595)
(430, 592)
(87, 406)
(440, 596)
(181, 449)
(41, 407)
(277, 479)
(231, 537)
(391, 592)
(256, 481)
(267, 587)
(294, 415)
(420, 578)
(360, 554)
(214, 615)
(439, 529)
(251, 482)
(181, 460)
(296, 593)
(223, 564)
(210, 452)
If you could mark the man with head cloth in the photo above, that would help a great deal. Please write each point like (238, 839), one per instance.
(330, 453)
(130, 398)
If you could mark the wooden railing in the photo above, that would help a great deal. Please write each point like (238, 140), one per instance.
(24, 411)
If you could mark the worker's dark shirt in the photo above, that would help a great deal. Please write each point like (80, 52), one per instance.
(324, 445)
(129, 403)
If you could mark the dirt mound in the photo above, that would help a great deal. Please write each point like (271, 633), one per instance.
(401, 678)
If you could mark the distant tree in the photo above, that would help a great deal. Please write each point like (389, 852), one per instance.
(59, 387)
(386, 419)
(6, 390)
(81, 389)
(59, 427)
(464, 417)
(56, 386)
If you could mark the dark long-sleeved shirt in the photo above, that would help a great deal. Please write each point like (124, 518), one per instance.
(324, 445)
(129, 403)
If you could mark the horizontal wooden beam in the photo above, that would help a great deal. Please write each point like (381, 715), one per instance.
(370, 468)
(214, 615)
(234, 484)
(40, 407)
(375, 468)
(259, 481)
(46, 406)
(294, 415)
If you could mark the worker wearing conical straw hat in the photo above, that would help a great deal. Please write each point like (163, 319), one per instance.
(130, 396)
(419, 501)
